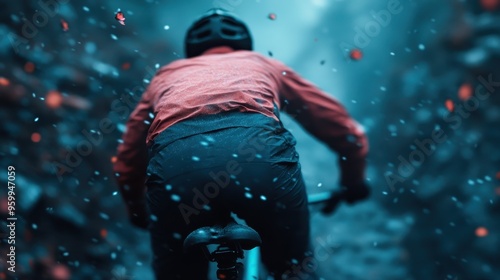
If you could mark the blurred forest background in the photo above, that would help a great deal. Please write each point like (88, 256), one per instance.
(408, 70)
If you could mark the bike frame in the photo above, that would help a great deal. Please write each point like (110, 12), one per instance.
(252, 267)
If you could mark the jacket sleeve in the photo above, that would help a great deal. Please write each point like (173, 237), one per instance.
(325, 118)
(132, 155)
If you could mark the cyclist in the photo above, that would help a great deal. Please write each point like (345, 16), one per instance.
(206, 139)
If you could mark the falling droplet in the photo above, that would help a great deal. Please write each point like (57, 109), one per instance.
(450, 106)
(64, 25)
(356, 54)
(120, 17)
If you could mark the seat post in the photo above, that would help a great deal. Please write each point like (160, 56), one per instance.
(226, 258)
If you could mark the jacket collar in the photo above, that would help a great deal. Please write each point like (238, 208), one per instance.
(218, 50)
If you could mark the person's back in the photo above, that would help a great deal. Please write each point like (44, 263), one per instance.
(206, 140)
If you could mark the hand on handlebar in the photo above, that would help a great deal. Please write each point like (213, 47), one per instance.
(356, 192)
(350, 194)
(138, 214)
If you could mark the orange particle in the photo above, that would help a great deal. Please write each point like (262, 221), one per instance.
(272, 16)
(356, 54)
(126, 66)
(450, 106)
(465, 92)
(60, 272)
(29, 67)
(64, 25)
(498, 175)
(36, 137)
(481, 232)
(4, 82)
(2, 275)
(53, 99)
(114, 159)
(103, 233)
(490, 5)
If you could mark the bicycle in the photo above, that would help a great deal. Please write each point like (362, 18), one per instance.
(230, 239)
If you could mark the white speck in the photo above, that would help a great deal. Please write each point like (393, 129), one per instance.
(383, 88)
(258, 156)
(138, 263)
(175, 197)
(86, 9)
(168, 187)
(86, 200)
(275, 179)
(354, 101)
(283, 73)
(153, 218)
(248, 195)
(113, 36)
(195, 158)
(104, 216)
(177, 235)
(204, 143)
(115, 193)
(392, 53)
(166, 27)
(146, 81)
(384, 193)
(113, 255)
(36, 119)
(320, 184)
(235, 155)
(157, 65)
(263, 198)
(421, 47)
(34, 226)
(65, 254)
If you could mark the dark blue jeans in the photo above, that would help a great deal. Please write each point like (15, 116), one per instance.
(203, 169)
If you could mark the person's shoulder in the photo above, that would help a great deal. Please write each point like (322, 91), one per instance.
(174, 64)
(259, 57)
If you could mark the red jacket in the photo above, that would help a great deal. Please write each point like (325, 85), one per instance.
(224, 80)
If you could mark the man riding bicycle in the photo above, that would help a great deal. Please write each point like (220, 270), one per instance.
(206, 139)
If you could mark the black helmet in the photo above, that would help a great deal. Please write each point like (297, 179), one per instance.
(217, 28)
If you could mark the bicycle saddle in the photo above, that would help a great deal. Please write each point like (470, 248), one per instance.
(227, 233)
